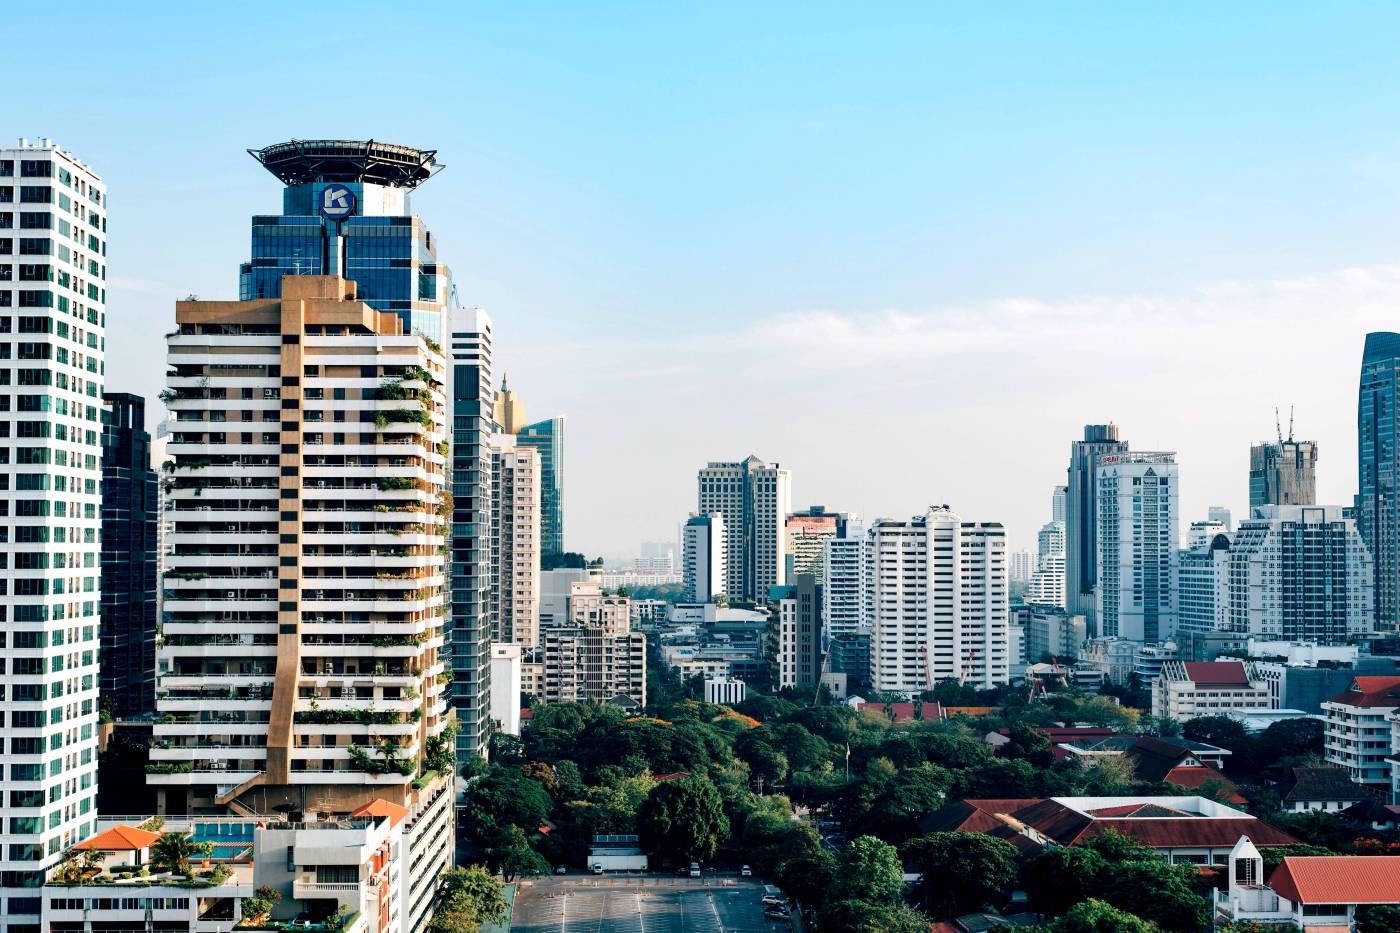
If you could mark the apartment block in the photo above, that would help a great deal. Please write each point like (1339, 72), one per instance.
(1188, 689)
(515, 542)
(1358, 729)
(1136, 526)
(703, 554)
(755, 498)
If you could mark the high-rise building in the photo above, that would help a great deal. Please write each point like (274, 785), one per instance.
(798, 614)
(1300, 573)
(346, 210)
(847, 588)
(1203, 580)
(1137, 547)
(702, 563)
(509, 411)
(1203, 533)
(53, 211)
(1218, 513)
(547, 437)
(1378, 473)
(807, 534)
(470, 625)
(306, 586)
(754, 497)
(1022, 566)
(1047, 583)
(940, 602)
(1081, 530)
(127, 679)
(1057, 504)
(1283, 473)
(596, 655)
(515, 541)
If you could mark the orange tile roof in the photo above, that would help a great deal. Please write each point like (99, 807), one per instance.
(120, 839)
(381, 807)
(1338, 879)
(1371, 691)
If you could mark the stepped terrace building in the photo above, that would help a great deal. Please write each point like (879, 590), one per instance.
(301, 666)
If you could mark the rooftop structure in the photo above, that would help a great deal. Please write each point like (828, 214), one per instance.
(301, 161)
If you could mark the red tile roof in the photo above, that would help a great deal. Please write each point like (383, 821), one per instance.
(120, 839)
(1196, 778)
(1338, 879)
(1217, 673)
(382, 807)
(1371, 691)
(671, 776)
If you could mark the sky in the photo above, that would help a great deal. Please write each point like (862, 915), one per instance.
(905, 250)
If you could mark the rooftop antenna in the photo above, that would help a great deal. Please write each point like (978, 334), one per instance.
(1290, 424)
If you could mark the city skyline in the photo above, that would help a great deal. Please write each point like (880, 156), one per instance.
(867, 309)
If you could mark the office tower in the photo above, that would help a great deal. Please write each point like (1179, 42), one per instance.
(940, 602)
(1137, 550)
(1378, 486)
(1047, 583)
(515, 542)
(301, 663)
(846, 609)
(509, 411)
(127, 678)
(754, 497)
(595, 655)
(1022, 566)
(1203, 580)
(53, 247)
(1300, 573)
(548, 438)
(1283, 473)
(798, 614)
(807, 533)
(1081, 530)
(470, 625)
(346, 210)
(702, 563)
(1218, 513)
(1057, 504)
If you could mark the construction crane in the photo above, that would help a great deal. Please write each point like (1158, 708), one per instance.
(1278, 425)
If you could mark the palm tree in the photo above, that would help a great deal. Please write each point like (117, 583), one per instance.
(172, 851)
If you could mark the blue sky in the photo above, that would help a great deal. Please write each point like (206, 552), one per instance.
(905, 249)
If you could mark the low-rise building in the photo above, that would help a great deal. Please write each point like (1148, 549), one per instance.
(1116, 657)
(1330, 790)
(725, 692)
(1358, 729)
(1188, 689)
(506, 686)
(1313, 892)
(1052, 633)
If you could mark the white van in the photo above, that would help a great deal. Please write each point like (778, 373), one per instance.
(695, 869)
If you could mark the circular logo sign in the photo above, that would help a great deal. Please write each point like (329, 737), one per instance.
(337, 202)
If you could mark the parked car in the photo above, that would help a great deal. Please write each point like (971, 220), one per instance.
(695, 869)
(745, 871)
(561, 870)
(597, 869)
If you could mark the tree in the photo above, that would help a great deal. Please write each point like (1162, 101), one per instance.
(857, 916)
(467, 898)
(510, 854)
(1215, 730)
(894, 814)
(870, 871)
(504, 796)
(961, 872)
(1057, 879)
(1102, 711)
(172, 852)
(1159, 892)
(1095, 916)
(767, 763)
(683, 821)
(1026, 742)
(1164, 727)
(1377, 918)
(257, 910)
(808, 879)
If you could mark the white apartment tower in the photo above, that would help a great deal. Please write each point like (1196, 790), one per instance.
(755, 498)
(1047, 583)
(703, 555)
(515, 542)
(940, 602)
(53, 272)
(302, 660)
(1137, 545)
(847, 590)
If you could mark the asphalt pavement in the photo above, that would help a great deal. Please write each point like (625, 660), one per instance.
(642, 903)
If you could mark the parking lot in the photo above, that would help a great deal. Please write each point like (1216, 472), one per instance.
(628, 903)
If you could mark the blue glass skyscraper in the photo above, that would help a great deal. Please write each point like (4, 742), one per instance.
(346, 211)
(1378, 445)
(548, 438)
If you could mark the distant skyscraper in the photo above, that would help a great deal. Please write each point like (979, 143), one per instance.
(754, 497)
(1047, 584)
(807, 533)
(1283, 473)
(1057, 503)
(1137, 520)
(1300, 573)
(515, 542)
(508, 411)
(129, 530)
(1022, 566)
(548, 438)
(703, 561)
(470, 624)
(54, 319)
(1081, 502)
(940, 602)
(1378, 474)
(1218, 513)
(846, 572)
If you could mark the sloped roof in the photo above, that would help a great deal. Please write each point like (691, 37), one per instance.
(1196, 778)
(974, 816)
(1338, 879)
(904, 712)
(1154, 758)
(1370, 691)
(120, 839)
(1191, 832)
(381, 807)
(1217, 673)
(1324, 784)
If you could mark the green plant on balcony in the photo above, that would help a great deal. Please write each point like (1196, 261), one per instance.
(169, 767)
(172, 852)
(387, 762)
(257, 909)
(388, 483)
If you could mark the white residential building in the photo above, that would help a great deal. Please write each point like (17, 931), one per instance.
(755, 498)
(1188, 689)
(1047, 586)
(1319, 893)
(940, 602)
(1021, 566)
(704, 551)
(1203, 583)
(1359, 729)
(1300, 573)
(725, 692)
(506, 679)
(53, 256)
(515, 541)
(846, 569)
(306, 594)
(1202, 533)
(1056, 634)
(1137, 545)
